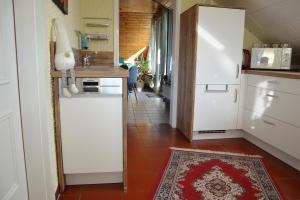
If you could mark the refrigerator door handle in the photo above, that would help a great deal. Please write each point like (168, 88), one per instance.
(237, 71)
(235, 96)
(209, 89)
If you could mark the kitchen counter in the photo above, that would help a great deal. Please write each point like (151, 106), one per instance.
(96, 71)
(282, 74)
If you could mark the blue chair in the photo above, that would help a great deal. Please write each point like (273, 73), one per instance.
(132, 79)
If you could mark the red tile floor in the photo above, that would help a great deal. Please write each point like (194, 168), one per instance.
(148, 147)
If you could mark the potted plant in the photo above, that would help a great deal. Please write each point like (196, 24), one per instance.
(143, 67)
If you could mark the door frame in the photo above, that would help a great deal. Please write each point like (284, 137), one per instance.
(175, 61)
(34, 86)
(175, 49)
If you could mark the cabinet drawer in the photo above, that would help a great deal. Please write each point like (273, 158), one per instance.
(279, 105)
(276, 133)
(274, 83)
(216, 109)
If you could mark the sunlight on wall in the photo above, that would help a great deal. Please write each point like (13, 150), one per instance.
(132, 58)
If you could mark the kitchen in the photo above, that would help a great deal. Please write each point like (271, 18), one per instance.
(239, 102)
(234, 121)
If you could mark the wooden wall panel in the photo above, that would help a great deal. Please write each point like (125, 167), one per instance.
(134, 32)
(187, 71)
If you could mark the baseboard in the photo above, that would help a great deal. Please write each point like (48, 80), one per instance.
(94, 178)
(293, 162)
(57, 193)
(227, 134)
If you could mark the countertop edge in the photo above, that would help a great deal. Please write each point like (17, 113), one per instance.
(282, 74)
(115, 72)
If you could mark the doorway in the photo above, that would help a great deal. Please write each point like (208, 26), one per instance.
(146, 51)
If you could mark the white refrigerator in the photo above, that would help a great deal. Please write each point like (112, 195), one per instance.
(218, 68)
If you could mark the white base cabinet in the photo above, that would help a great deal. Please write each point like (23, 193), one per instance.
(272, 112)
(276, 133)
(92, 135)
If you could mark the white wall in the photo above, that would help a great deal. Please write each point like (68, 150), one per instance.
(72, 23)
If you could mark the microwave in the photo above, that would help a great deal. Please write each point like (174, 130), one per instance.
(271, 58)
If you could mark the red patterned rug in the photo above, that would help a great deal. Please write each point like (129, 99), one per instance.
(194, 175)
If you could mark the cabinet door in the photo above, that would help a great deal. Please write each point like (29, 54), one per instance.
(219, 45)
(215, 108)
(91, 129)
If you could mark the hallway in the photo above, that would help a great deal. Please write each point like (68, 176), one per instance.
(148, 148)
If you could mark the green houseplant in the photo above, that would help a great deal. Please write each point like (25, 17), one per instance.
(143, 68)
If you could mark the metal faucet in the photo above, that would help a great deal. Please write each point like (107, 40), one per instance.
(86, 60)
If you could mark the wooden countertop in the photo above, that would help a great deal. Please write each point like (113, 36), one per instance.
(96, 72)
(282, 74)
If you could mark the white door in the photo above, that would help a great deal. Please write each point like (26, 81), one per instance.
(219, 45)
(12, 168)
(216, 107)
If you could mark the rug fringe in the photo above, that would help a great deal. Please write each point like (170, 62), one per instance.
(216, 152)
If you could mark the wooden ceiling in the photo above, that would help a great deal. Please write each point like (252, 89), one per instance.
(166, 3)
(144, 6)
(139, 6)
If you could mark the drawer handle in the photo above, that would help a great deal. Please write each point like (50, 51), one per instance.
(273, 82)
(208, 90)
(235, 96)
(273, 96)
(269, 123)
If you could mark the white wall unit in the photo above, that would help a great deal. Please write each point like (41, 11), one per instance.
(219, 45)
(210, 71)
(216, 109)
(92, 134)
(218, 68)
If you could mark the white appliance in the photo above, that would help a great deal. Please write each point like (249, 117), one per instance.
(218, 68)
(92, 132)
(210, 72)
(271, 58)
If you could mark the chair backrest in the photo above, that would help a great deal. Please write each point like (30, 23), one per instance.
(133, 74)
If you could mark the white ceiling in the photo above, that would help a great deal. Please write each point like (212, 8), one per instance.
(274, 21)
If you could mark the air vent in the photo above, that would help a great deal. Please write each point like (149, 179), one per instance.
(213, 131)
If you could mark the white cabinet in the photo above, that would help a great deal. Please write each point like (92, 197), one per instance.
(91, 129)
(219, 45)
(280, 105)
(272, 113)
(274, 83)
(216, 107)
(211, 47)
(274, 132)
